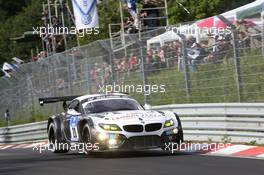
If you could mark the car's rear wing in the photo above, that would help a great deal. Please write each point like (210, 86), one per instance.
(63, 99)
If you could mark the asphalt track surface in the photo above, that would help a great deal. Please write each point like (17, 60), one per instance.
(27, 162)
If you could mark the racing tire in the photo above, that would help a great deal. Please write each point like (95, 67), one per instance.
(86, 139)
(54, 144)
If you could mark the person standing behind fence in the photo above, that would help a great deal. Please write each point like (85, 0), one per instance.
(162, 58)
(95, 75)
(7, 117)
(133, 62)
(107, 73)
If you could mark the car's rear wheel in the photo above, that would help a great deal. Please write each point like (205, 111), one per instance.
(86, 139)
(54, 145)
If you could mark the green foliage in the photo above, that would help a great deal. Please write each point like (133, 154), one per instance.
(15, 26)
(226, 139)
(10, 8)
(200, 9)
(253, 142)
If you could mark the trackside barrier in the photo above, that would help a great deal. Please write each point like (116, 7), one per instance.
(221, 122)
(225, 122)
(24, 133)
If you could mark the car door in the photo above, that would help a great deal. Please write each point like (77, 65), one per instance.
(71, 120)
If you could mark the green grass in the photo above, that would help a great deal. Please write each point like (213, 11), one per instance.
(210, 83)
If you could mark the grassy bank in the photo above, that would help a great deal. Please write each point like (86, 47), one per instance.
(209, 82)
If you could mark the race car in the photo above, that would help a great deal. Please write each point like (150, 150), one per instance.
(112, 122)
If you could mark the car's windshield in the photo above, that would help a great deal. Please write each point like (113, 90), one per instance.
(111, 105)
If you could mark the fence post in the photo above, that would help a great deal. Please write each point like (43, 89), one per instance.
(144, 75)
(262, 33)
(112, 64)
(71, 73)
(87, 75)
(236, 56)
(236, 48)
(54, 77)
(188, 85)
(31, 92)
(237, 65)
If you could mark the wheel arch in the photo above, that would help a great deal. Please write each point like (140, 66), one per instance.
(56, 120)
(83, 122)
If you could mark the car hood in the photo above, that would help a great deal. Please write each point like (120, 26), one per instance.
(130, 117)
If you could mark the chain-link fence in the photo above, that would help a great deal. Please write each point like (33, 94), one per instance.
(228, 69)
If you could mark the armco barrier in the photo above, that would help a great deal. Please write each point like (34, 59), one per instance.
(230, 122)
(24, 133)
(223, 122)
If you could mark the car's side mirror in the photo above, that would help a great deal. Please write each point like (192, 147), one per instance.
(72, 112)
(147, 107)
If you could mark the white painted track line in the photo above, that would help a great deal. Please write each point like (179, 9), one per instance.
(232, 149)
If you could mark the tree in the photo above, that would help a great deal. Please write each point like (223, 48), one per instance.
(14, 26)
(11, 8)
(200, 9)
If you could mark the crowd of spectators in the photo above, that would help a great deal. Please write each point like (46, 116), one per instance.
(53, 43)
(212, 49)
(101, 75)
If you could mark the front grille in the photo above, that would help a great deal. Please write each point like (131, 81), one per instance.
(133, 128)
(143, 142)
(153, 127)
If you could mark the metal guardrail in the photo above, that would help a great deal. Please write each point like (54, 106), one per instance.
(24, 133)
(228, 122)
(216, 109)
(221, 122)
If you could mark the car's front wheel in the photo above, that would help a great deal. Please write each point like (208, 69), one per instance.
(86, 139)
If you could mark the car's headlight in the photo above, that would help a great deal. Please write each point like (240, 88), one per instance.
(110, 127)
(168, 123)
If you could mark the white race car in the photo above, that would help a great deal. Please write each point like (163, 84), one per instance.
(110, 122)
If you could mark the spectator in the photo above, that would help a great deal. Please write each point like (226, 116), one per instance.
(162, 58)
(132, 9)
(107, 72)
(149, 57)
(95, 72)
(125, 64)
(133, 62)
(7, 117)
(150, 13)
(128, 26)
